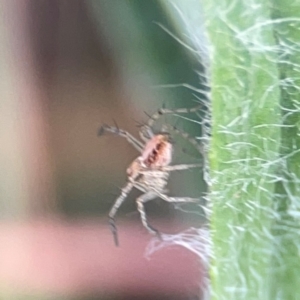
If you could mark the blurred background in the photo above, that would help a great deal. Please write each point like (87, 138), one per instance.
(67, 67)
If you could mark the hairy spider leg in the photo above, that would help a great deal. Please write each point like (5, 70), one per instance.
(130, 138)
(175, 199)
(187, 137)
(181, 167)
(124, 192)
(147, 128)
(150, 195)
(175, 168)
(142, 187)
(146, 133)
(141, 208)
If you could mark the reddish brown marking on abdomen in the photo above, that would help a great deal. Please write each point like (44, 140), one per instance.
(157, 152)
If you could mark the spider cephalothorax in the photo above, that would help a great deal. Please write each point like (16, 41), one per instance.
(150, 171)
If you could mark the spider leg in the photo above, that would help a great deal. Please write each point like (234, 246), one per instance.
(173, 199)
(146, 130)
(165, 111)
(181, 167)
(146, 133)
(140, 206)
(142, 187)
(176, 168)
(124, 192)
(115, 130)
(187, 137)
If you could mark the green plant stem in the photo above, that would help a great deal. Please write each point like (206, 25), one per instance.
(286, 228)
(245, 146)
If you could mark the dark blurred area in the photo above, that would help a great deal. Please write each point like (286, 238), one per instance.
(67, 67)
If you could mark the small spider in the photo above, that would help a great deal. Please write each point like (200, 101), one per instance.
(150, 171)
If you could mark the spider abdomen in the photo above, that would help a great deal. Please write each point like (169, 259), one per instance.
(157, 152)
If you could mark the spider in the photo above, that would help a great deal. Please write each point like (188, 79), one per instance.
(150, 171)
